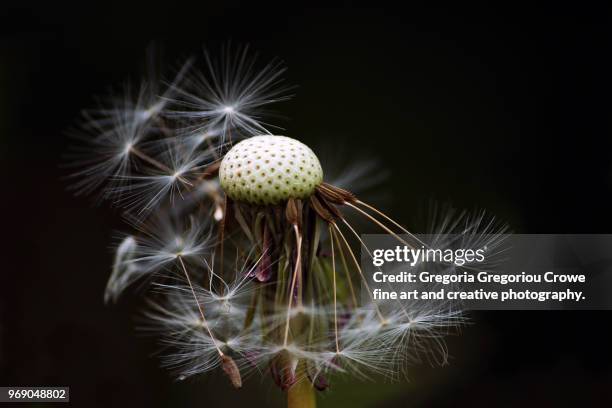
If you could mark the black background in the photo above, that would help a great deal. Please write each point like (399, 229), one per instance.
(504, 109)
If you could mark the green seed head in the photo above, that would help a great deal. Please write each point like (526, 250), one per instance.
(267, 170)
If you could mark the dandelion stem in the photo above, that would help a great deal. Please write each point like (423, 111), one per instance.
(381, 225)
(365, 282)
(302, 393)
(297, 271)
(149, 159)
(157, 163)
(298, 264)
(204, 321)
(222, 225)
(346, 269)
(385, 216)
(358, 237)
(334, 289)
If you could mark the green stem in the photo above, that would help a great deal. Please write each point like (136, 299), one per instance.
(301, 395)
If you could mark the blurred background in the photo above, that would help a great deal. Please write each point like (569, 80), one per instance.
(504, 109)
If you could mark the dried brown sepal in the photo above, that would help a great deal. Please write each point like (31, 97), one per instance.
(335, 194)
(321, 209)
(283, 370)
(231, 370)
(317, 379)
(293, 211)
(329, 206)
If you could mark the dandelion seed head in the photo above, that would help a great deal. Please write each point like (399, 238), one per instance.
(270, 169)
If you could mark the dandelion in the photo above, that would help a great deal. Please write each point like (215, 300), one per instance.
(250, 252)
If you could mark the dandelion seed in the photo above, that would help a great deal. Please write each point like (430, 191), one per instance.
(231, 96)
(106, 155)
(158, 245)
(125, 271)
(172, 174)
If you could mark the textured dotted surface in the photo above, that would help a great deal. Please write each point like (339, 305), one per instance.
(269, 169)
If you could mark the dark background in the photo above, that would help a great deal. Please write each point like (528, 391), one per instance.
(503, 109)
